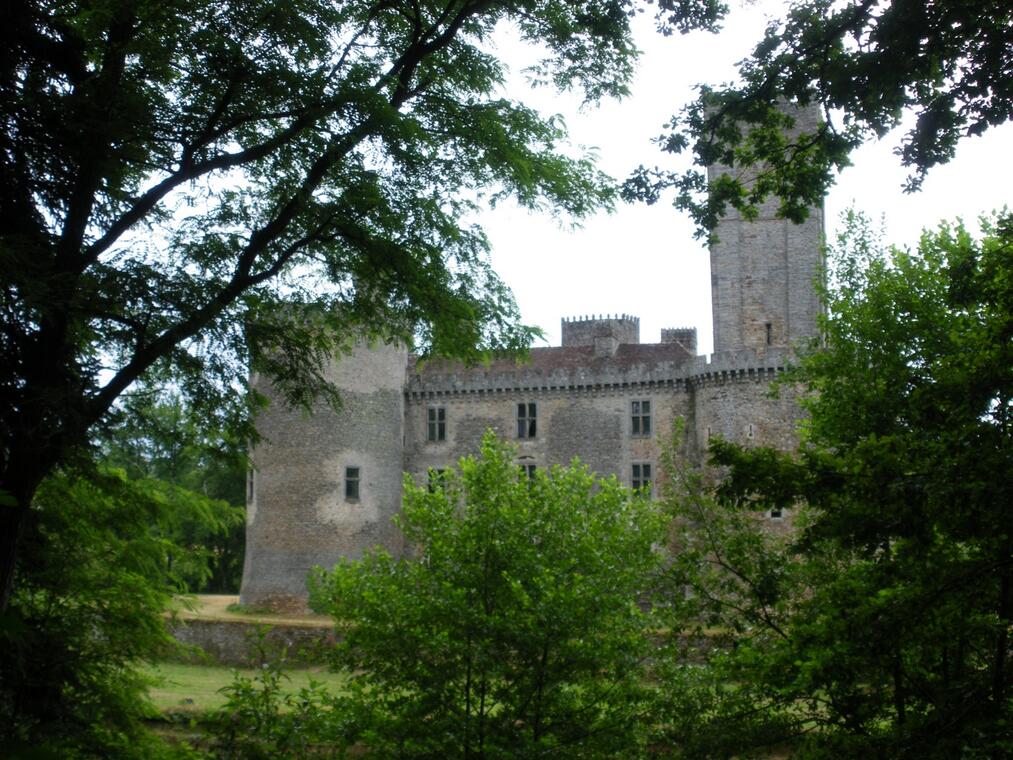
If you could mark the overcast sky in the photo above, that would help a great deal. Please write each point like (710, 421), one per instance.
(643, 260)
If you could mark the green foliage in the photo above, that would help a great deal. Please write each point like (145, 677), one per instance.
(193, 190)
(882, 626)
(864, 62)
(263, 718)
(181, 689)
(200, 189)
(200, 470)
(515, 630)
(93, 581)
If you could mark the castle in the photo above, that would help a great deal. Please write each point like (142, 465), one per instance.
(326, 486)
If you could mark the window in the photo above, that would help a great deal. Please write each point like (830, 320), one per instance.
(641, 479)
(437, 424)
(526, 419)
(528, 470)
(249, 487)
(776, 514)
(437, 480)
(770, 334)
(641, 417)
(351, 484)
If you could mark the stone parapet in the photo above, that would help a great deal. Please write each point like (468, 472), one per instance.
(729, 365)
(478, 384)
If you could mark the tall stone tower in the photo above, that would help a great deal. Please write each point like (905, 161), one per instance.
(325, 485)
(763, 272)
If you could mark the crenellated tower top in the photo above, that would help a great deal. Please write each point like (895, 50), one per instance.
(584, 331)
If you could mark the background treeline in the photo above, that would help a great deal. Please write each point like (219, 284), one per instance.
(202, 470)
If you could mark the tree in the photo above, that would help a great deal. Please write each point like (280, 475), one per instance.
(517, 627)
(94, 578)
(864, 62)
(882, 627)
(155, 438)
(173, 175)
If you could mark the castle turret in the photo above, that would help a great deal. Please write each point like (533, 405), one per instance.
(684, 336)
(606, 333)
(325, 485)
(764, 272)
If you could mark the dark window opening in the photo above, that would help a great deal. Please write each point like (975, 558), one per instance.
(437, 424)
(641, 416)
(529, 470)
(641, 480)
(526, 420)
(770, 334)
(351, 484)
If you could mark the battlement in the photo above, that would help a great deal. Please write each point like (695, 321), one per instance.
(607, 332)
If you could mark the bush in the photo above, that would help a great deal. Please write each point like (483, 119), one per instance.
(515, 629)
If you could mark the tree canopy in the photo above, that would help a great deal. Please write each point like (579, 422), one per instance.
(881, 627)
(515, 630)
(175, 175)
(864, 62)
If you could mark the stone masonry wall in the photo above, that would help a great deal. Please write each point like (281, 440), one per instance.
(592, 425)
(298, 516)
(581, 331)
(732, 397)
(764, 271)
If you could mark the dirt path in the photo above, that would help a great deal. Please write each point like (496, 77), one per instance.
(216, 607)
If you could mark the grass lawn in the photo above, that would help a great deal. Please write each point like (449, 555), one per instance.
(196, 688)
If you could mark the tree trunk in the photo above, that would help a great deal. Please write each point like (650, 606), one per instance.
(19, 481)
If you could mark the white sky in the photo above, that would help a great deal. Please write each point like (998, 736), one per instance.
(643, 260)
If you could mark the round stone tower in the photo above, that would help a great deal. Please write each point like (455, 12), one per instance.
(325, 485)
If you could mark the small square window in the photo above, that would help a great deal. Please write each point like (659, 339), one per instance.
(437, 427)
(526, 420)
(641, 418)
(351, 484)
(776, 514)
(641, 480)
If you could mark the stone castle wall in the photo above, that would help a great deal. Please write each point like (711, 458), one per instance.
(299, 516)
(593, 424)
(765, 301)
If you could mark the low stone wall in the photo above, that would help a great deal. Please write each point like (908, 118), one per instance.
(242, 644)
